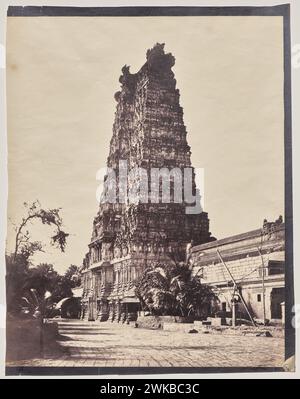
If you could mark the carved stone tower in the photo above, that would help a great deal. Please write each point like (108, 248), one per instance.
(148, 133)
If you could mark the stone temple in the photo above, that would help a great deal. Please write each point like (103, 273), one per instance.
(148, 132)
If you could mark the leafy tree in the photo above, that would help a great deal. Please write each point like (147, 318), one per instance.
(19, 276)
(46, 216)
(41, 285)
(17, 273)
(154, 290)
(192, 297)
(173, 290)
(73, 274)
(65, 283)
(42, 278)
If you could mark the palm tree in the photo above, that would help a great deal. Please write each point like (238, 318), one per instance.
(153, 290)
(173, 290)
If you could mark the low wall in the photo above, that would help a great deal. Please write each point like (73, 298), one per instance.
(179, 324)
(28, 338)
(23, 339)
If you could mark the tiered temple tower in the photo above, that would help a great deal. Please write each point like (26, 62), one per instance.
(148, 132)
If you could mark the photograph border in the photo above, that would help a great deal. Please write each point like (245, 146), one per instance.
(277, 10)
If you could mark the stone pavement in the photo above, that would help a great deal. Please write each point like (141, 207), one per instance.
(108, 344)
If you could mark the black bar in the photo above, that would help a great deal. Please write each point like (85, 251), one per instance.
(288, 180)
(48, 11)
(43, 371)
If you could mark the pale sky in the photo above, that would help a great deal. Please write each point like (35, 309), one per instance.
(62, 73)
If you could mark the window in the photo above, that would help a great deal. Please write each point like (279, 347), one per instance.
(275, 267)
(258, 297)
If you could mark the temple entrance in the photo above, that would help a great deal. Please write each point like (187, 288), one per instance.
(130, 307)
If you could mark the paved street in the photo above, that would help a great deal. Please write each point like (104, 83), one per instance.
(114, 345)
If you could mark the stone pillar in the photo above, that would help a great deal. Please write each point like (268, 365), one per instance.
(103, 312)
(118, 311)
(268, 293)
(92, 313)
(282, 312)
(234, 305)
(123, 312)
(112, 312)
(85, 310)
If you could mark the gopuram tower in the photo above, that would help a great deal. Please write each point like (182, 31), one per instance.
(148, 133)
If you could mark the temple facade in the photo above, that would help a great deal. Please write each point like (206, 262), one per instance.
(246, 272)
(127, 236)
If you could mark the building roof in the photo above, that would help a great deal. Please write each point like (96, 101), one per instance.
(236, 238)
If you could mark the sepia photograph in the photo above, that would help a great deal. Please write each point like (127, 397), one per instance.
(149, 213)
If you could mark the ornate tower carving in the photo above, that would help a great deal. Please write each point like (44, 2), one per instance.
(148, 132)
